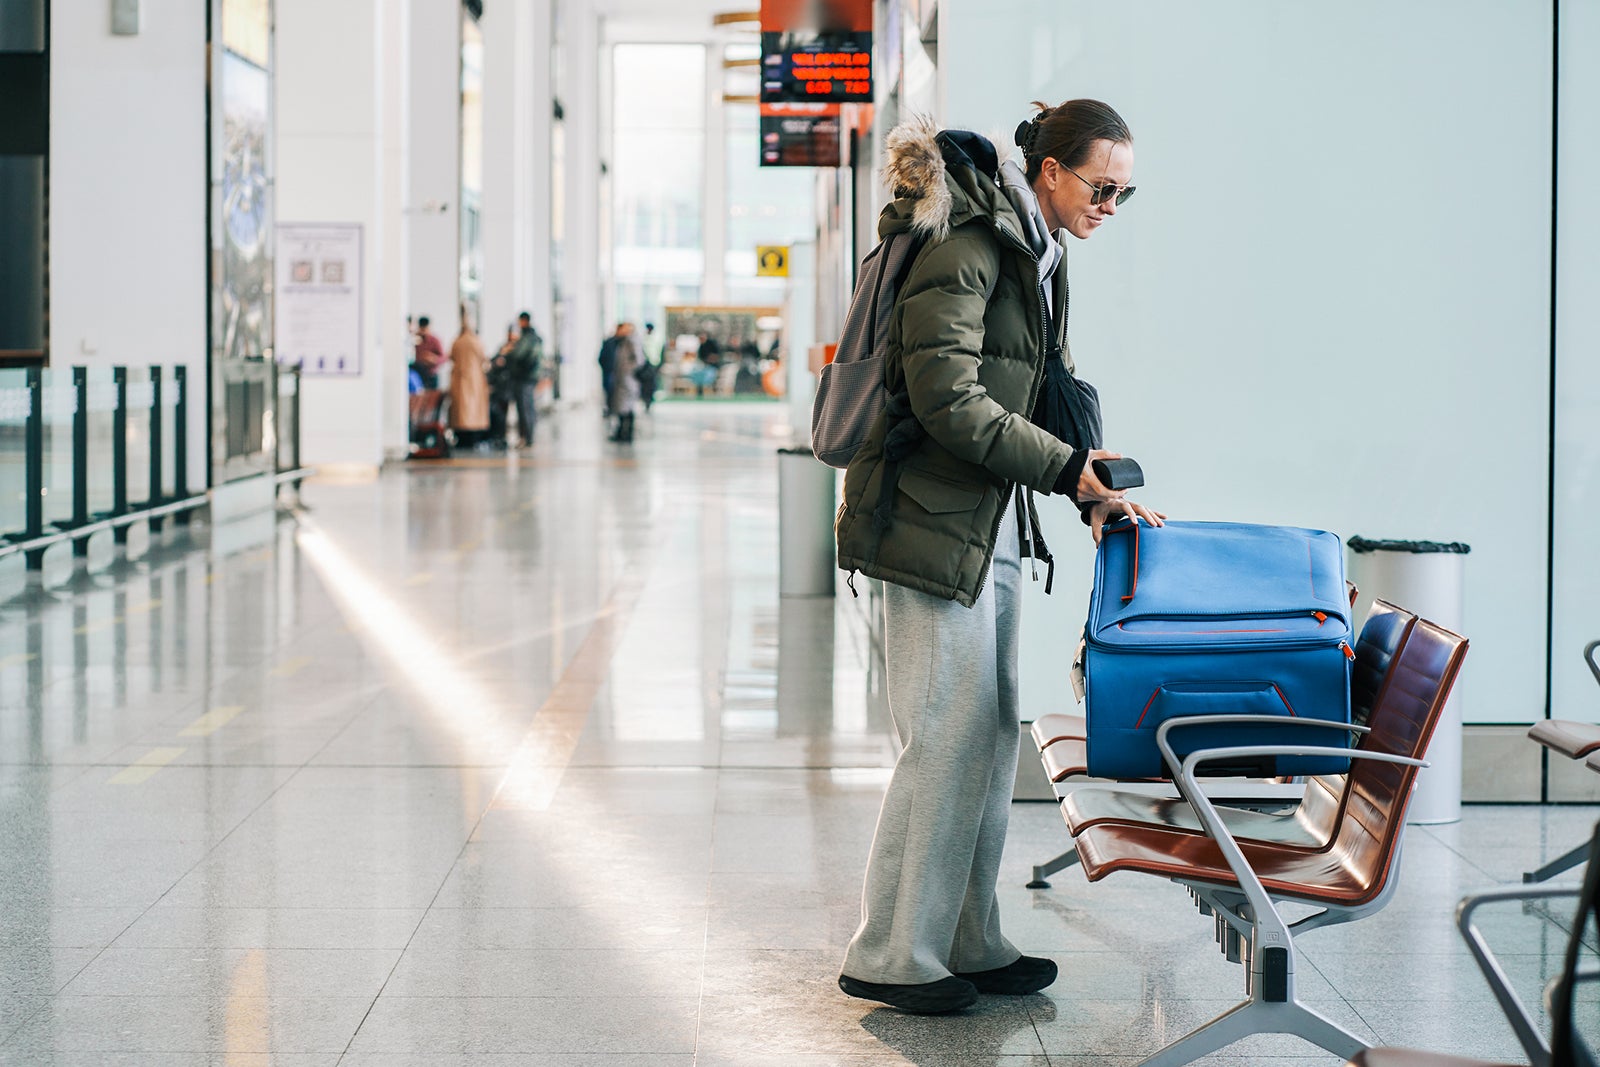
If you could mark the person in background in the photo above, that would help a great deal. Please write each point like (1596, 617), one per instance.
(748, 354)
(608, 363)
(523, 365)
(710, 356)
(469, 386)
(429, 354)
(626, 359)
(649, 372)
(500, 393)
(654, 347)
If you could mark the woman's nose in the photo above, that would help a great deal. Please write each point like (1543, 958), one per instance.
(1110, 205)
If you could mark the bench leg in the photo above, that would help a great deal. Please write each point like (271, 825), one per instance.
(1259, 1017)
(1041, 871)
(1561, 863)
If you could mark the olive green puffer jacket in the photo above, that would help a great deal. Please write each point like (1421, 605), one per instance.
(968, 342)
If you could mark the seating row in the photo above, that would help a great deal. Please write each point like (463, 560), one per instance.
(1575, 741)
(1567, 1046)
(1337, 851)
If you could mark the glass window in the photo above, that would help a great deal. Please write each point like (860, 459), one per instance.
(766, 206)
(657, 177)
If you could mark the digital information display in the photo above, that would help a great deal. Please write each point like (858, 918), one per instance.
(817, 51)
(800, 135)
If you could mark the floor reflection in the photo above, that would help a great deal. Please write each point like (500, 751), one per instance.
(527, 756)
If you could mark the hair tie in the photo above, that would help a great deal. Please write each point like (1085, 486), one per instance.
(1027, 130)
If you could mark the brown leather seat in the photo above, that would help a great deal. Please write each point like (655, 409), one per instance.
(1066, 758)
(1048, 729)
(1353, 869)
(1312, 823)
(1574, 740)
(1405, 1057)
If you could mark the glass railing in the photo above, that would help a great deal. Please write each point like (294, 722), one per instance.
(86, 449)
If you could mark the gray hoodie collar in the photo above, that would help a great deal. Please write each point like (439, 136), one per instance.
(1014, 183)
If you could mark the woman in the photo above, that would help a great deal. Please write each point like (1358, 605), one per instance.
(623, 400)
(469, 387)
(932, 503)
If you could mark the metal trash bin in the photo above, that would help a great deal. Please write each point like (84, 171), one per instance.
(1428, 578)
(807, 558)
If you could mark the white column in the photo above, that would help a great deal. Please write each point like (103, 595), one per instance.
(127, 274)
(433, 208)
(580, 97)
(605, 185)
(1577, 452)
(331, 159)
(714, 210)
(391, 245)
(536, 161)
(506, 212)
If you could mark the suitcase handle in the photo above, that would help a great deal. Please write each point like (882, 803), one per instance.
(1133, 584)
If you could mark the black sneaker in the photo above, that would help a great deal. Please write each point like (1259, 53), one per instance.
(1028, 974)
(929, 998)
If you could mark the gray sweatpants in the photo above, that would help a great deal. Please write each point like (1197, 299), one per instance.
(928, 908)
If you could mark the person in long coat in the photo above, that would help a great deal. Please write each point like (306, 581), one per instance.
(625, 392)
(469, 386)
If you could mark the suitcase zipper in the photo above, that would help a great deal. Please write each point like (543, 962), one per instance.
(1253, 616)
(1192, 647)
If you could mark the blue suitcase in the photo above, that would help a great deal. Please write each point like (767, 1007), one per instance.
(1205, 618)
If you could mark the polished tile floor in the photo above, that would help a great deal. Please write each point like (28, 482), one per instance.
(525, 762)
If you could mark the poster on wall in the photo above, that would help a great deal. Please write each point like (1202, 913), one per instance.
(319, 297)
(816, 50)
(800, 135)
(246, 211)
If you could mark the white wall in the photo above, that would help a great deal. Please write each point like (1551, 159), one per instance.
(580, 99)
(516, 158)
(1324, 307)
(390, 250)
(1577, 511)
(127, 196)
(331, 168)
(435, 163)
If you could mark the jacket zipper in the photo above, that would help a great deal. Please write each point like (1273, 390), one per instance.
(1033, 394)
(994, 537)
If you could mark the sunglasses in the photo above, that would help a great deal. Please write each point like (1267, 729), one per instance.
(1102, 193)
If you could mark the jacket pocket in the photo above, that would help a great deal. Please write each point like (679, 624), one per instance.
(936, 495)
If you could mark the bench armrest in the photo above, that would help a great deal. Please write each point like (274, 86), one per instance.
(1170, 757)
(1528, 1036)
(1269, 924)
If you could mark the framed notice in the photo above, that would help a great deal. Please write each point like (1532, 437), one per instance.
(817, 51)
(319, 297)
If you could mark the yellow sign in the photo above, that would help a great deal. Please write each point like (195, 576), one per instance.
(772, 261)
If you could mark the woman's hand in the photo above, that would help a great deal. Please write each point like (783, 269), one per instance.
(1090, 488)
(1117, 509)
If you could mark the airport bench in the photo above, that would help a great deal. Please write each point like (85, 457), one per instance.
(1239, 883)
(1566, 1047)
(1312, 811)
(1575, 741)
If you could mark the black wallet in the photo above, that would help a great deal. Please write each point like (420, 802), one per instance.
(1116, 474)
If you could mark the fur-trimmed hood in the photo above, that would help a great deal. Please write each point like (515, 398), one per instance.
(942, 176)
